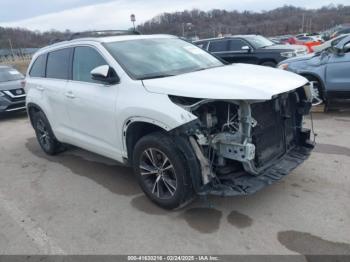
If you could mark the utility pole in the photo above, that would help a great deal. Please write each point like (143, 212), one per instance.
(133, 20)
(302, 25)
(310, 26)
(11, 48)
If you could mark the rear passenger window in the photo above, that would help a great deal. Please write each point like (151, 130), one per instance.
(218, 46)
(84, 61)
(38, 67)
(58, 64)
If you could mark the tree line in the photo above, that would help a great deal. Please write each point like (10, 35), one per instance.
(23, 38)
(189, 23)
(280, 21)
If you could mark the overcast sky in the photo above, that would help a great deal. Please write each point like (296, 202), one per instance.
(79, 15)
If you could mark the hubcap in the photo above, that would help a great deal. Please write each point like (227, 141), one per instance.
(43, 134)
(316, 96)
(158, 173)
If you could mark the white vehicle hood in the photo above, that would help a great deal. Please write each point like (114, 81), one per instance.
(236, 82)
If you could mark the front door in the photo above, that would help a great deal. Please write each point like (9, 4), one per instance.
(338, 71)
(91, 105)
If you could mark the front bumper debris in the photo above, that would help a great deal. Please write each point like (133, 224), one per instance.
(246, 184)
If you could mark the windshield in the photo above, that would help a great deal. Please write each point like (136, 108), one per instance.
(9, 74)
(259, 41)
(161, 57)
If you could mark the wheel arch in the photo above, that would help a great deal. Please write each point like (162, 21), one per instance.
(33, 108)
(134, 129)
(307, 75)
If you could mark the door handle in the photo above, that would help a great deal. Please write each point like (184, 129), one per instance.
(70, 95)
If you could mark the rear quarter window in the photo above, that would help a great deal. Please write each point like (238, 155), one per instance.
(38, 67)
(58, 64)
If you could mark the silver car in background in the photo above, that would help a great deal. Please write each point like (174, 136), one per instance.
(328, 70)
(12, 94)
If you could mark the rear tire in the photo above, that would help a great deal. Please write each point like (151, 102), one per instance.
(162, 171)
(47, 140)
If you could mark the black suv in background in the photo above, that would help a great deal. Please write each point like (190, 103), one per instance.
(251, 49)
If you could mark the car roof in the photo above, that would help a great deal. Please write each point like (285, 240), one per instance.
(106, 39)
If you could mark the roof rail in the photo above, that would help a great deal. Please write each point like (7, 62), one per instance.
(103, 33)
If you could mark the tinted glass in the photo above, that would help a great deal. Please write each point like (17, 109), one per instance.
(38, 67)
(9, 74)
(84, 61)
(154, 58)
(258, 41)
(218, 46)
(58, 64)
(236, 45)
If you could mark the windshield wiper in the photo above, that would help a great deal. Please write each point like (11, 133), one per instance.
(155, 76)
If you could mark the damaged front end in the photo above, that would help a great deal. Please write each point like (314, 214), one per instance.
(243, 146)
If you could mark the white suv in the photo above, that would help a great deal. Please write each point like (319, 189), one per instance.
(186, 123)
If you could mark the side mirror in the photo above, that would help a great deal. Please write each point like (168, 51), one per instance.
(105, 74)
(246, 48)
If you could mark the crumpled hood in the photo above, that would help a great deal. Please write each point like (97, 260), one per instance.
(236, 82)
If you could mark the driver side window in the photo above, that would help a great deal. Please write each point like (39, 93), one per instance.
(86, 59)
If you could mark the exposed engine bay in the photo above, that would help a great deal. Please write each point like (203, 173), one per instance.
(251, 139)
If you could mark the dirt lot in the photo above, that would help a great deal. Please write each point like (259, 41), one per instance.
(80, 203)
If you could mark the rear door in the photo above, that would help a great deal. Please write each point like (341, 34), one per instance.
(91, 104)
(338, 71)
(54, 89)
(219, 48)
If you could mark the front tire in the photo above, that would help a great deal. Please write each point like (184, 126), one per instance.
(319, 94)
(44, 135)
(162, 171)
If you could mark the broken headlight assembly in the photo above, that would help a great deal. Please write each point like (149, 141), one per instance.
(242, 146)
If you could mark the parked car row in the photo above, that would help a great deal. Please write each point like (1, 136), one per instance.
(251, 49)
(310, 40)
(327, 68)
